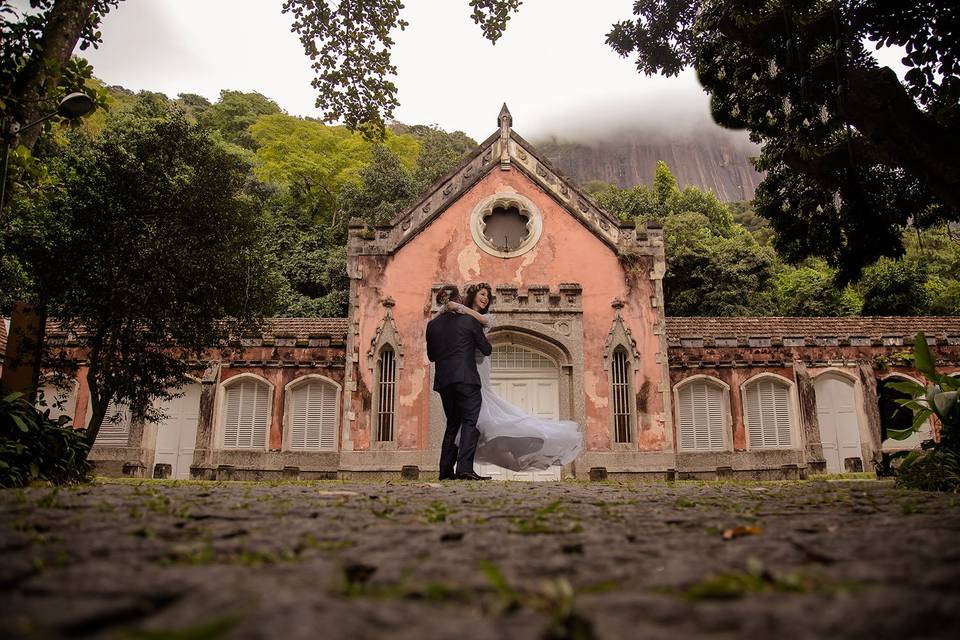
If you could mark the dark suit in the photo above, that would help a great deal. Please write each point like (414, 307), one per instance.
(452, 341)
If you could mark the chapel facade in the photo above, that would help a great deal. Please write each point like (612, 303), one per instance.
(580, 335)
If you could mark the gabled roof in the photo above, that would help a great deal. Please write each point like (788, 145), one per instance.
(503, 149)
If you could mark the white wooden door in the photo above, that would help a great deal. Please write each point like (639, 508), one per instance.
(529, 380)
(177, 435)
(839, 421)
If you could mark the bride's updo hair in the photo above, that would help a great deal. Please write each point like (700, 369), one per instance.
(472, 291)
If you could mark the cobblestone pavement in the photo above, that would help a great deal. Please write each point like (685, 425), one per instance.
(150, 559)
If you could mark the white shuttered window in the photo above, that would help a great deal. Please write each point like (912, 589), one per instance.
(768, 414)
(246, 415)
(313, 416)
(115, 429)
(701, 415)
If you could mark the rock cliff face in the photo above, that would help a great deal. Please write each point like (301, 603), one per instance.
(714, 161)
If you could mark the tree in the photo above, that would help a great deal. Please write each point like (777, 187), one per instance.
(810, 290)
(710, 274)
(349, 43)
(894, 288)
(851, 153)
(233, 114)
(440, 152)
(36, 67)
(145, 248)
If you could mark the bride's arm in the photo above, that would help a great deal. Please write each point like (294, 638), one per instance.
(459, 308)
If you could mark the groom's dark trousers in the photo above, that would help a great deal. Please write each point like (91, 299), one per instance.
(452, 342)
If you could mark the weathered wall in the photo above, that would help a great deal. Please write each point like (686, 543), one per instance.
(567, 252)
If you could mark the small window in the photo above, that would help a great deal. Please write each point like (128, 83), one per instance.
(768, 414)
(620, 379)
(509, 356)
(115, 428)
(386, 394)
(701, 413)
(246, 415)
(313, 416)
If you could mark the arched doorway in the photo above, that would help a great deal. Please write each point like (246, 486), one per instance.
(839, 422)
(529, 379)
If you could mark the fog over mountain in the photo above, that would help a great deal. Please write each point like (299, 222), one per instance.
(621, 142)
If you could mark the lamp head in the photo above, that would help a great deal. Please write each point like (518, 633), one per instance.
(75, 105)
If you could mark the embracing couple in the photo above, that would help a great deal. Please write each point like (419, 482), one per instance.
(482, 426)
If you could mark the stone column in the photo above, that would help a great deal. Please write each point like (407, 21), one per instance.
(813, 448)
(871, 408)
(203, 451)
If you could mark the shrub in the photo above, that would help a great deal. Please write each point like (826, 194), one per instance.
(34, 446)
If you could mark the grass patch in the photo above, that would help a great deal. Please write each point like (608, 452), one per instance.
(757, 579)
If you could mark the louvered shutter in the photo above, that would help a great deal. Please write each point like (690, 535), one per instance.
(328, 418)
(701, 417)
(313, 423)
(115, 429)
(768, 414)
(246, 415)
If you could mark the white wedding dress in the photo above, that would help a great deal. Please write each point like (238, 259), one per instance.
(513, 439)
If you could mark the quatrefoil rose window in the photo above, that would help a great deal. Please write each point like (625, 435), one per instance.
(506, 225)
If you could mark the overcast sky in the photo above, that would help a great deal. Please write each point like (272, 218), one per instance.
(551, 67)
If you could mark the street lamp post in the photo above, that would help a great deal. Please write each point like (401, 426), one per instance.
(24, 353)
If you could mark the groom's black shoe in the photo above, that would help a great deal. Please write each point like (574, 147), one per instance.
(471, 475)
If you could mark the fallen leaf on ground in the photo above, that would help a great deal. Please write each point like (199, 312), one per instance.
(742, 530)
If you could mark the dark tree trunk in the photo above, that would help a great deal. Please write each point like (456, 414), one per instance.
(37, 83)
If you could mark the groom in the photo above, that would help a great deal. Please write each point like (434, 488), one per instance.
(452, 339)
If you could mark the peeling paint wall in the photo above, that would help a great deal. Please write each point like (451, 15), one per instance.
(567, 252)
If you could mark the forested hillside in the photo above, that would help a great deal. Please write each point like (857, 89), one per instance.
(302, 181)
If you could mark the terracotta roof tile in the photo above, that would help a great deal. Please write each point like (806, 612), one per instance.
(873, 327)
(300, 328)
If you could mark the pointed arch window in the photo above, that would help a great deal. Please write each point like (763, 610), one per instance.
(385, 416)
(620, 373)
(247, 407)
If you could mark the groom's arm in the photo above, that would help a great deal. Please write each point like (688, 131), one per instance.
(481, 340)
(431, 354)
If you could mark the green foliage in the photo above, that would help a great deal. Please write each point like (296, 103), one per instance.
(894, 288)
(233, 114)
(440, 152)
(145, 245)
(810, 290)
(315, 161)
(34, 446)
(849, 153)
(709, 274)
(937, 466)
(385, 188)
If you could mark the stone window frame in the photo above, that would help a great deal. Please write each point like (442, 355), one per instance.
(793, 409)
(506, 199)
(221, 412)
(376, 409)
(288, 391)
(620, 337)
(727, 415)
(387, 335)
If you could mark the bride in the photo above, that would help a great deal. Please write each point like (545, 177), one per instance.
(510, 437)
